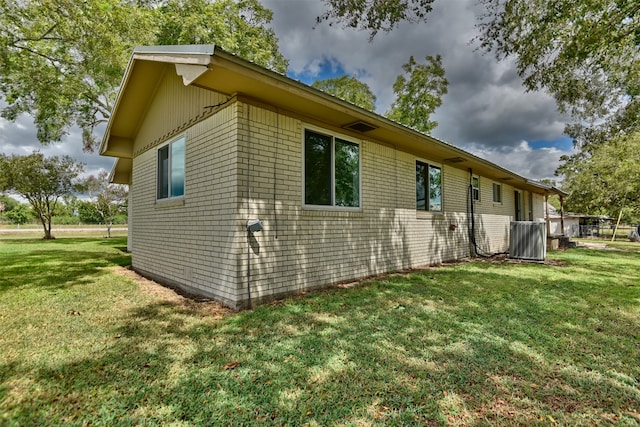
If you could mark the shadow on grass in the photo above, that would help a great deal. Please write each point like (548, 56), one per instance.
(469, 344)
(59, 263)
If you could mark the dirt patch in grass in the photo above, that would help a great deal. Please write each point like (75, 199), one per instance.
(204, 307)
(504, 258)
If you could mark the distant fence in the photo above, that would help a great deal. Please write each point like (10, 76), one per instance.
(607, 232)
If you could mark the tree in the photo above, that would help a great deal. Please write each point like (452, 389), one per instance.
(109, 200)
(87, 213)
(81, 49)
(41, 180)
(586, 53)
(240, 27)
(6, 203)
(78, 48)
(20, 214)
(375, 15)
(418, 93)
(349, 89)
(606, 181)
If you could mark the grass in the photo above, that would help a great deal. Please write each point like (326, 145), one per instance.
(478, 343)
(34, 231)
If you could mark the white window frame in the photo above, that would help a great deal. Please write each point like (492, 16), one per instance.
(333, 136)
(430, 164)
(475, 191)
(498, 186)
(168, 145)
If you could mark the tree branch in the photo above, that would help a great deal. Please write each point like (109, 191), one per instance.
(53, 61)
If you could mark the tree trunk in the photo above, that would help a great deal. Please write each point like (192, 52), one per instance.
(109, 224)
(46, 224)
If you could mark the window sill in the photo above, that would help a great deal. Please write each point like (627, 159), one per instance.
(332, 211)
(429, 215)
(169, 203)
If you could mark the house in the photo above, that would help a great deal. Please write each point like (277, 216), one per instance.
(575, 225)
(211, 144)
(562, 224)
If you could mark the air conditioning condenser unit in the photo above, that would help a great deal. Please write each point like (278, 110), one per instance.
(528, 240)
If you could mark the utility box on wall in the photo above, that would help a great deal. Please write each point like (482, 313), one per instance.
(528, 240)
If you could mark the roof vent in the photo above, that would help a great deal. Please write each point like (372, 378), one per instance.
(455, 160)
(360, 126)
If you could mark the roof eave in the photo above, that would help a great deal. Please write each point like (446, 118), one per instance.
(211, 56)
(176, 54)
(377, 119)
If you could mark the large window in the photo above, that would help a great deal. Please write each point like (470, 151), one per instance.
(171, 169)
(497, 193)
(331, 171)
(428, 187)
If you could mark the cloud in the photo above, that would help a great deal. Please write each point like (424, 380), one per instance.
(20, 138)
(522, 158)
(486, 111)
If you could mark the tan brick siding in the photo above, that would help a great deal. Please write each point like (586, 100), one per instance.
(245, 162)
(193, 243)
(302, 248)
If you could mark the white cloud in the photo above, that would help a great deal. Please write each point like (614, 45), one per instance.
(20, 138)
(522, 158)
(487, 111)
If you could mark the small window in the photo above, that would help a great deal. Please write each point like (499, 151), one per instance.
(171, 169)
(331, 171)
(497, 193)
(475, 188)
(428, 187)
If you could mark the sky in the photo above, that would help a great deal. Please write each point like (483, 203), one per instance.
(486, 111)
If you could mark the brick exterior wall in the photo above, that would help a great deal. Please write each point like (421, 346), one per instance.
(302, 248)
(244, 161)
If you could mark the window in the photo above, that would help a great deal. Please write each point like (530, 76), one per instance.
(519, 205)
(331, 171)
(475, 188)
(171, 169)
(497, 193)
(428, 182)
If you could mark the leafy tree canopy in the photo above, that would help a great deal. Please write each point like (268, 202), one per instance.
(8, 202)
(20, 214)
(350, 89)
(418, 93)
(240, 27)
(606, 181)
(586, 53)
(41, 180)
(375, 15)
(87, 213)
(78, 48)
(82, 48)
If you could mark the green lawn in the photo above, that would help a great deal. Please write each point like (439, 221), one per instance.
(479, 343)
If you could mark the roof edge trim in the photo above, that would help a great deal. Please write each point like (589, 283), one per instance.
(189, 49)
